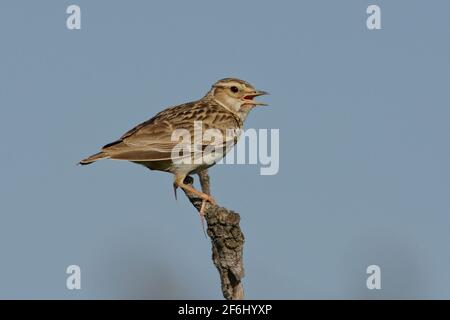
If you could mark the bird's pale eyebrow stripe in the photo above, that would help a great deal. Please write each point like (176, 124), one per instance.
(230, 84)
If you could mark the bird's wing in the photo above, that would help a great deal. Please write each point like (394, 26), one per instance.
(155, 139)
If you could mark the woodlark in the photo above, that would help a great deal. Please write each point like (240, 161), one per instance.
(224, 108)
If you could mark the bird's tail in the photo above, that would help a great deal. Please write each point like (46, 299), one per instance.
(93, 158)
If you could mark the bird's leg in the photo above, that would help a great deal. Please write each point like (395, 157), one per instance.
(204, 182)
(205, 198)
(179, 182)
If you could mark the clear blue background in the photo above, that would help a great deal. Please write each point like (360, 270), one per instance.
(364, 152)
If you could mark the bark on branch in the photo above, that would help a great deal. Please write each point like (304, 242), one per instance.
(227, 241)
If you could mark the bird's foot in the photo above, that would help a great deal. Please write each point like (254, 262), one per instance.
(206, 198)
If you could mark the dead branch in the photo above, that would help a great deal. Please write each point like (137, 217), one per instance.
(227, 241)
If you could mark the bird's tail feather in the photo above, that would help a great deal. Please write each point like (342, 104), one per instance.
(93, 158)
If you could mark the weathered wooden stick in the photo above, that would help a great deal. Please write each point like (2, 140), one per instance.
(227, 241)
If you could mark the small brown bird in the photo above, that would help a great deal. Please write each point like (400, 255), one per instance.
(224, 108)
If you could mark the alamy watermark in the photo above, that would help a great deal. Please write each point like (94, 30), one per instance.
(374, 280)
(73, 281)
(216, 146)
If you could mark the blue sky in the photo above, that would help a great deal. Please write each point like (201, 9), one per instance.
(364, 153)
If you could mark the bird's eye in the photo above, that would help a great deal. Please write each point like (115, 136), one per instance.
(234, 89)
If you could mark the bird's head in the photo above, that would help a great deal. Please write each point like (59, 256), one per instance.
(236, 95)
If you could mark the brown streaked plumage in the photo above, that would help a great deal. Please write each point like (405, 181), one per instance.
(224, 107)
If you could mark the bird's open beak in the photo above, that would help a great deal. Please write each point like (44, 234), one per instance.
(248, 98)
